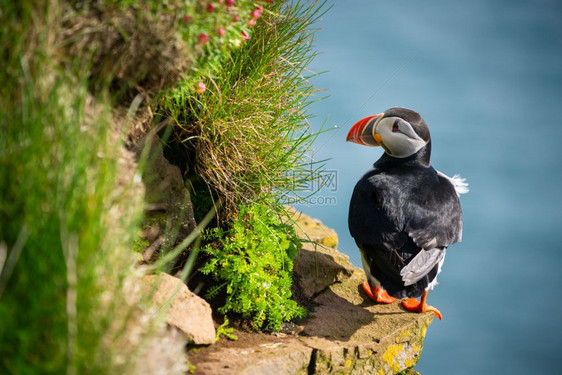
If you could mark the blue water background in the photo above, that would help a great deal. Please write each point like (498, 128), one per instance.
(487, 78)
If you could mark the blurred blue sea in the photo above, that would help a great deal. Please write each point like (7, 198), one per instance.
(487, 78)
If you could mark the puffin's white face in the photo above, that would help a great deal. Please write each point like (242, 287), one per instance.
(397, 137)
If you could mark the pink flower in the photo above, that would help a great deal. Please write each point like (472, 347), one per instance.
(186, 18)
(200, 88)
(229, 3)
(256, 13)
(251, 23)
(203, 38)
(236, 18)
(210, 8)
(221, 32)
(245, 36)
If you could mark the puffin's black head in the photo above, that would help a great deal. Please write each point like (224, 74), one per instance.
(400, 131)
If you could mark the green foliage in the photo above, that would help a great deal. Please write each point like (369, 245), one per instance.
(140, 245)
(253, 264)
(191, 367)
(67, 224)
(248, 131)
(226, 331)
(241, 112)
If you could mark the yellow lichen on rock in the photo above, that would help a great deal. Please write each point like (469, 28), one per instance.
(329, 241)
(390, 357)
(405, 350)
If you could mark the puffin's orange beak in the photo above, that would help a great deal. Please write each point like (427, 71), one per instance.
(362, 132)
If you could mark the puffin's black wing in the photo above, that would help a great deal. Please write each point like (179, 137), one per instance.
(434, 217)
(398, 212)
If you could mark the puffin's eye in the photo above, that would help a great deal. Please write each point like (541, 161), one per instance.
(395, 127)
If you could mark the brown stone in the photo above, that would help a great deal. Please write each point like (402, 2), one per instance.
(318, 267)
(187, 312)
(318, 264)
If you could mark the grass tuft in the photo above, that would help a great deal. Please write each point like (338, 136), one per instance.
(248, 132)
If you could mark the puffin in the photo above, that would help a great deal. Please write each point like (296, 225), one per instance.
(403, 213)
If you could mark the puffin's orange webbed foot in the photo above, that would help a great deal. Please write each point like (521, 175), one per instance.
(379, 295)
(412, 304)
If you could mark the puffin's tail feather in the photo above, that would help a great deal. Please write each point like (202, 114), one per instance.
(460, 184)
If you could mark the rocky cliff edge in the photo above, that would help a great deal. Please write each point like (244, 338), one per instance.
(345, 333)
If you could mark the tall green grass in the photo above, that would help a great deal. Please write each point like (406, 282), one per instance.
(248, 132)
(67, 220)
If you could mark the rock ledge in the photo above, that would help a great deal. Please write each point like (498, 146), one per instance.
(345, 333)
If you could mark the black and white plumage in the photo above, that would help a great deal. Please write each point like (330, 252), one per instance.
(403, 213)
